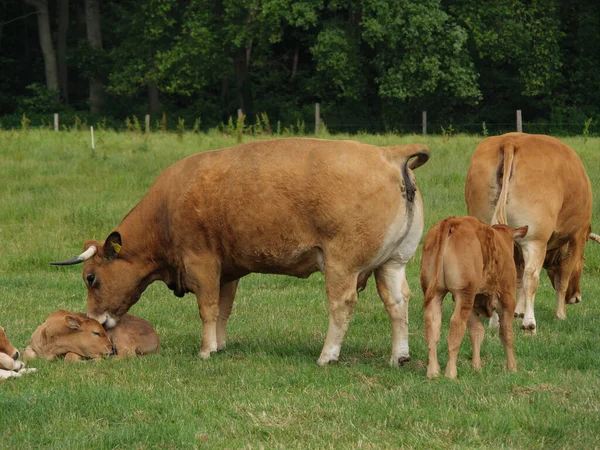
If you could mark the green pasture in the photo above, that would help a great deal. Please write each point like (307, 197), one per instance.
(265, 390)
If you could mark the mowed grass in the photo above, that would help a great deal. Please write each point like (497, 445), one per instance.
(265, 390)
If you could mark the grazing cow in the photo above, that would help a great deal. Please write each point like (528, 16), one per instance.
(474, 262)
(10, 367)
(518, 179)
(132, 336)
(66, 332)
(287, 206)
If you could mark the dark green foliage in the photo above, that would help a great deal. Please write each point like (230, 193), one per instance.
(372, 64)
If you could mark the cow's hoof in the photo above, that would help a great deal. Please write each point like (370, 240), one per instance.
(574, 299)
(529, 329)
(403, 360)
(519, 315)
(324, 361)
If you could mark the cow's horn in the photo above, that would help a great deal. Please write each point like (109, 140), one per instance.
(91, 251)
(595, 237)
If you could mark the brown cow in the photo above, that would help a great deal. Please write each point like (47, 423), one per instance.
(9, 365)
(66, 332)
(287, 206)
(474, 262)
(518, 179)
(56, 337)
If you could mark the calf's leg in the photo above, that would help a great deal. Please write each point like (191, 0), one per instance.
(394, 292)
(476, 334)
(433, 324)
(458, 324)
(506, 314)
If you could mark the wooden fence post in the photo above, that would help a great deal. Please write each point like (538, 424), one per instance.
(55, 121)
(240, 113)
(317, 117)
(93, 144)
(147, 123)
(519, 121)
(424, 122)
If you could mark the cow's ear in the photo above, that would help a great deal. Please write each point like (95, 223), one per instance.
(112, 245)
(74, 323)
(520, 232)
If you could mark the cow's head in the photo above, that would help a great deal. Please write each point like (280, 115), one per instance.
(115, 279)
(72, 332)
(6, 347)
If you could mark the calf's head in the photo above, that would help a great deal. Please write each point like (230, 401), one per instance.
(115, 279)
(71, 332)
(6, 347)
(510, 234)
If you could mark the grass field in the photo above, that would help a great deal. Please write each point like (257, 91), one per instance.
(265, 390)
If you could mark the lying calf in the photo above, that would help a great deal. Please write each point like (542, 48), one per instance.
(9, 355)
(474, 262)
(76, 337)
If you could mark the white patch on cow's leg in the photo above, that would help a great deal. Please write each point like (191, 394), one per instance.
(395, 294)
(476, 334)
(341, 292)
(494, 321)
(226, 297)
(533, 255)
(433, 325)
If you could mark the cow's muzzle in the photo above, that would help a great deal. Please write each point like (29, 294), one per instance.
(91, 251)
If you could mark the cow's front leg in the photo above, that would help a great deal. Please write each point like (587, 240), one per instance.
(226, 296)
(204, 280)
(341, 292)
(395, 293)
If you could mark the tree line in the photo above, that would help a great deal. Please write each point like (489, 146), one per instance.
(373, 65)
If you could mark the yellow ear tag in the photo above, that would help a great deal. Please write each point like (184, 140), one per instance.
(116, 247)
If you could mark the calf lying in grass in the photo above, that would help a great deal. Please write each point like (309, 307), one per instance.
(9, 365)
(76, 337)
(473, 261)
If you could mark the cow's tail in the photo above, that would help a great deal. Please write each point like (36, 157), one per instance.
(409, 157)
(499, 216)
(439, 246)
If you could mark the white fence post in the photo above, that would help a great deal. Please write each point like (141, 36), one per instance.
(55, 121)
(92, 131)
(519, 121)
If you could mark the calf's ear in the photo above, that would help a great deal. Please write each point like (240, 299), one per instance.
(520, 232)
(74, 323)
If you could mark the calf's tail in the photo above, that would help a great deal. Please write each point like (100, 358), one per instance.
(499, 216)
(438, 249)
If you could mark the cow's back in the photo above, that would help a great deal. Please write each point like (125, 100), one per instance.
(296, 198)
(548, 184)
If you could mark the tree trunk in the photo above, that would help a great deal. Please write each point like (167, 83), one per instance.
(43, 19)
(94, 36)
(153, 102)
(61, 48)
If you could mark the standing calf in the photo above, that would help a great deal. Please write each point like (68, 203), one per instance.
(474, 262)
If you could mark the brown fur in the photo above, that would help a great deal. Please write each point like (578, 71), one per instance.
(288, 206)
(56, 337)
(543, 184)
(474, 262)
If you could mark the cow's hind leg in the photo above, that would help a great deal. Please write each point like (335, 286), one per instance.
(226, 296)
(533, 255)
(433, 324)
(394, 292)
(476, 334)
(458, 323)
(342, 295)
